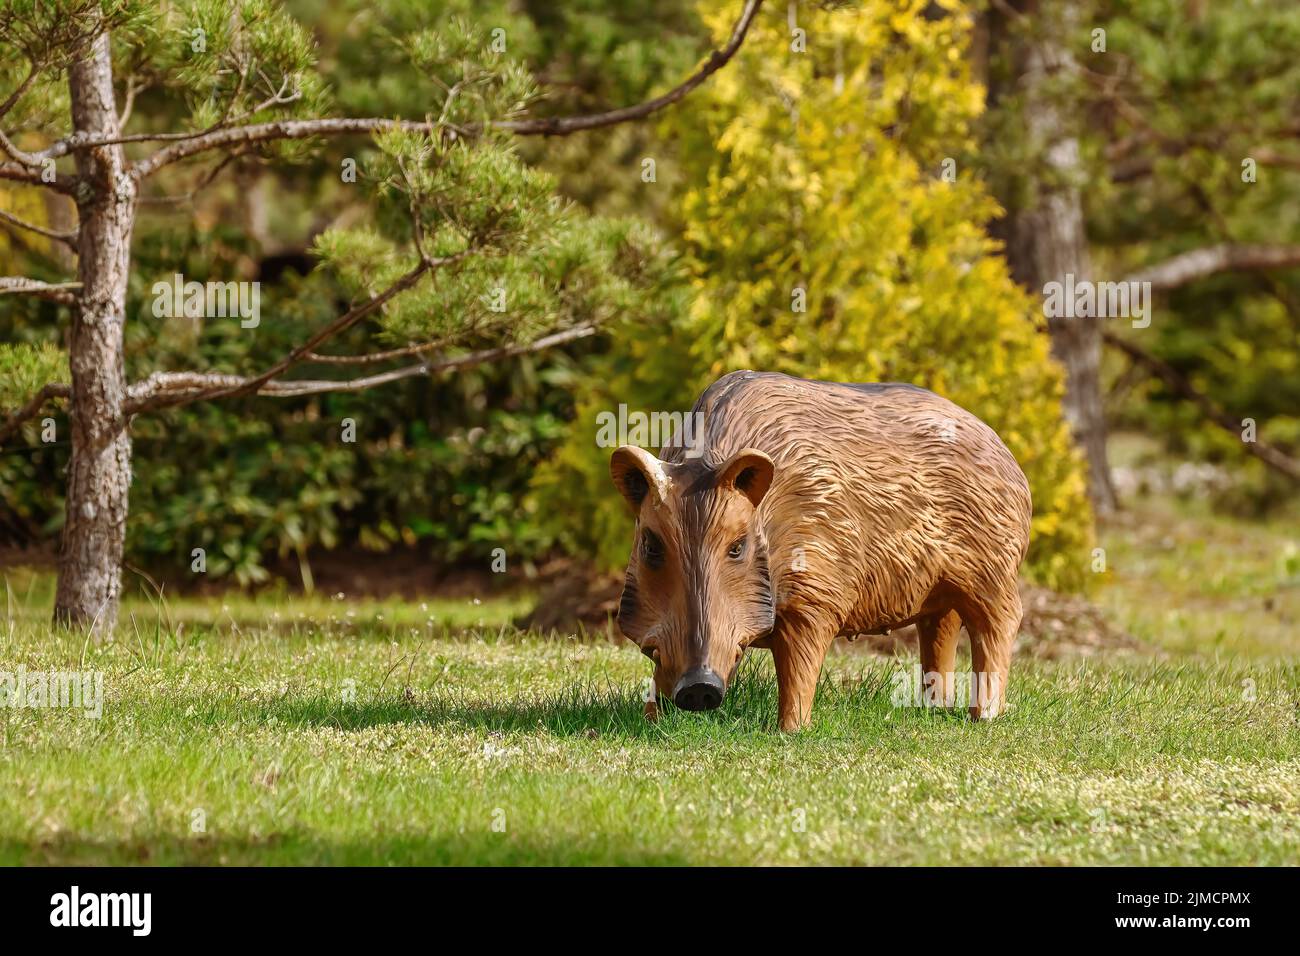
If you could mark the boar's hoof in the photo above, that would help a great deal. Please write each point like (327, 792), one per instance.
(699, 689)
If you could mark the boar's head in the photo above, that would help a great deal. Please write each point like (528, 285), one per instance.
(697, 590)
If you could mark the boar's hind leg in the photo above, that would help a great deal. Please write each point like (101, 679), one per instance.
(993, 631)
(798, 650)
(938, 633)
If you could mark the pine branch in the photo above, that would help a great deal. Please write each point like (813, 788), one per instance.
(565, 125)
(69, 239)
(32, 408)
(173, 389)
(22, 88)
(32, 177)
(193, 144)
(19, 156)
(152, 393)
(55, 292)
(206, 180)
(373, 358)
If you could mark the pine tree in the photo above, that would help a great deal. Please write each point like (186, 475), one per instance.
(467, 242)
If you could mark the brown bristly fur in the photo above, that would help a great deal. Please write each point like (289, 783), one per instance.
(860, 508)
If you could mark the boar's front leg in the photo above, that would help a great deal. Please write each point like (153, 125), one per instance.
(799, 647)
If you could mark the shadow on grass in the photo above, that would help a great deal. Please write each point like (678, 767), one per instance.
(584, 710)
(299, 847)
(580, 712)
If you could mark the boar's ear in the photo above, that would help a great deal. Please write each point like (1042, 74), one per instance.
(750, 472)
(637, 473)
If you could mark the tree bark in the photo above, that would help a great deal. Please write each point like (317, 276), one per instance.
(1044, 231)
(99, 473)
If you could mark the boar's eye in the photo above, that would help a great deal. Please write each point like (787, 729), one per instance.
(737, 548)
(652, 549)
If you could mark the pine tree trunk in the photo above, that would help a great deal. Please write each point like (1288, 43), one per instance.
(1044, 228)
(1046, 243)
(99, 474)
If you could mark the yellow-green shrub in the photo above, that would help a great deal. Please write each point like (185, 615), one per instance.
(837, 171)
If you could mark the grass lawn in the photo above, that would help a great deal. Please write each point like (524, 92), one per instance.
(332, 731)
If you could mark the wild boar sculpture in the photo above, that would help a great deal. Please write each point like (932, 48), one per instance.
(802, 511)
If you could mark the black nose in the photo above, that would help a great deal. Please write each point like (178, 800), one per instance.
(699, 689)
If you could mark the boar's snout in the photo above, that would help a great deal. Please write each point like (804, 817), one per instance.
(700, 688)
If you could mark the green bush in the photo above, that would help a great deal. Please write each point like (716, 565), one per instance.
(808, 171)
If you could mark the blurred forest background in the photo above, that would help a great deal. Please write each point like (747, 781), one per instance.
(909, 173)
